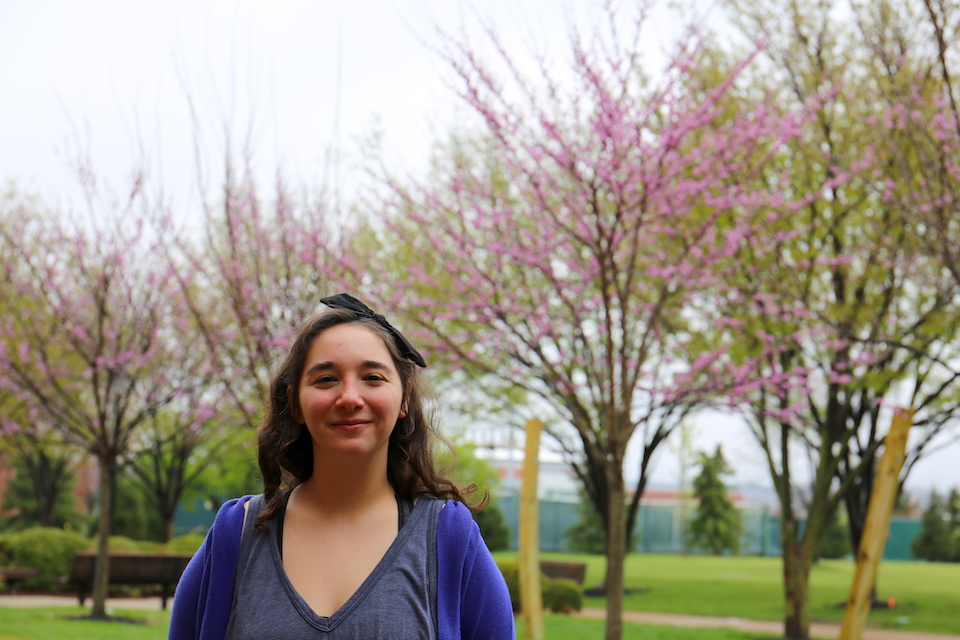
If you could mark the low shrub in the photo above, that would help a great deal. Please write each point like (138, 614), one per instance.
(48, 550)
(560, 595)
(121, 544)
(511, 575)
(187, 543)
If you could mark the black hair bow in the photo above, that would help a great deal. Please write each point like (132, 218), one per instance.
(346, 301)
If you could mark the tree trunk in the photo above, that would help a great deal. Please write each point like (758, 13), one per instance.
(101, 574)
(48, 496)
(166, 506)
(634, 509)
(856, 503)
(796, 581)
(48, 476)
(168, 526)
(616, 552)
(857, 500)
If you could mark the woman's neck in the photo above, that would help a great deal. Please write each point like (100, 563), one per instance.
(345, 487)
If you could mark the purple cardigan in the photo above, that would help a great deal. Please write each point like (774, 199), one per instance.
(472, 598)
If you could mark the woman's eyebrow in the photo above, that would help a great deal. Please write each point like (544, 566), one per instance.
(319, 366)
(327, 365)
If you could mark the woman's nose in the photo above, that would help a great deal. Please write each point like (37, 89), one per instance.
(350, 396)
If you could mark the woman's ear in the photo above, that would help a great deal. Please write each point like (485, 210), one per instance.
(406, 399)
(295, 412)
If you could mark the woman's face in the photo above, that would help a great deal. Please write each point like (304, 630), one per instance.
(350, 394)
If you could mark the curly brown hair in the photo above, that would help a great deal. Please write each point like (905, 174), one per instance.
(284, 447)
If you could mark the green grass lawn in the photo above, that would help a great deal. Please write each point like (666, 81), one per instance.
(46, 623)
(927, 597)
(43, 623)
(557, 626)
(927, 594)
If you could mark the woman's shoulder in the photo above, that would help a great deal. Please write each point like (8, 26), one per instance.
(455, 509)
(232, 512)
(456, 522)
(233, 505)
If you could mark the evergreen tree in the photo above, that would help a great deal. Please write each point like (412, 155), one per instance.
(953, 520)
(835, 542)
(134, 515)
(934, 542)
(716, 524)
(40, 492)
(588, 535)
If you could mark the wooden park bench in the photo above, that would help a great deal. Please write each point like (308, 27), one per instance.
(575, 571)
(162, 569)
(12, 577)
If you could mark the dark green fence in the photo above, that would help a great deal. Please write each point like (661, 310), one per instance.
(660, 529)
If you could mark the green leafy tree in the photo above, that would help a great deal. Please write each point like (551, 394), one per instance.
(835, 542)
(716, 523)
(935, 541)
(231, 471)
(587, 534)
(467, 468)
(135, 516)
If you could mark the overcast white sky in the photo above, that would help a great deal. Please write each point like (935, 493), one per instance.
(112, 78)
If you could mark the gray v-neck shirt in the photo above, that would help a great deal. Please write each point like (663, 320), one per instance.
(397, 601)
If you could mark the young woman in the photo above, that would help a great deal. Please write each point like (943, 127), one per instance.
(367, 540)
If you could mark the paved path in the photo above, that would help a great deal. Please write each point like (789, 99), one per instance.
(70, 600)
(817, 629)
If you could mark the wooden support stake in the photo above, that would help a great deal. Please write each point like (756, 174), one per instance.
(531, 600)
(876, 529)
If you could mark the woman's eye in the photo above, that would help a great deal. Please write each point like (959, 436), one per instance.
(324, 380)
(376, 377)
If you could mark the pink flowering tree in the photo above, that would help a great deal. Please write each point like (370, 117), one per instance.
(258, 265)
(93, 345)
(914, 48)
(566, 247)
(852, 313)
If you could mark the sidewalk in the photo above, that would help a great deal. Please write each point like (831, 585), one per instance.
(817, 629)
(70, 600)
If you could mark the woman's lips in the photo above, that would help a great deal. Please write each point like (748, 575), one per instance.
(351, 425)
